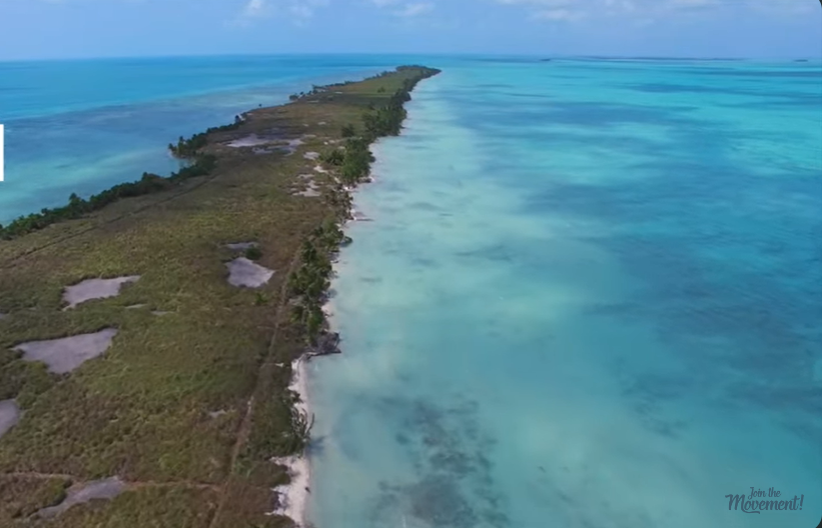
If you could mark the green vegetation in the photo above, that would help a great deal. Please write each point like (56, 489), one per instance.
(78, 207)
(357, 163)
(149, 183)
(336, 157)
(308, 285)
(188, 407)
(24, 496)
(189, 148)
(253, 253)
(260, 299)
(22, 380)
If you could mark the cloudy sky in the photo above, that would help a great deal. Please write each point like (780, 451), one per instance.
(36, 29)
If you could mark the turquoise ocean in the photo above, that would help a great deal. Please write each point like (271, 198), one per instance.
(589, 294)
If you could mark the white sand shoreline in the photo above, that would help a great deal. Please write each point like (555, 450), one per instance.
(293, 497)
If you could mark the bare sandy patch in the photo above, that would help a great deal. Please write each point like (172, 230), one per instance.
(293, 145)
(66, 354)
(105, 489)
(252, 140)
(9, 415)
(90, 289)
(245, 273)
(293, 497)
(312, 190)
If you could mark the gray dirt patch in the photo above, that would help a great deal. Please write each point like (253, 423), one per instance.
(105, 489)
(245, 273)
(252, 140)
(66, 354)
(9, 415)
(95, 289)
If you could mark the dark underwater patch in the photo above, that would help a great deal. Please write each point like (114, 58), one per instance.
(453, 486)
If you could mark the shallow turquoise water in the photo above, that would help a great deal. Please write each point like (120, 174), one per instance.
(590, 296)
(83, 126)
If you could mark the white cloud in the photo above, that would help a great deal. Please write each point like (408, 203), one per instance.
(303, 10)
(558, 15)
(251, 11)
(405, 9)
(254, 9)
(554, 10)
(622, 5)
(570, 10)
(415, 9)
(692, 4)
(539, 4)
(299, 11)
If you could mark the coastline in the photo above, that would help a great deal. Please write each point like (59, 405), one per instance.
(240, 433)
(294, 497)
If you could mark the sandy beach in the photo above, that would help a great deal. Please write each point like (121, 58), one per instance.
(293, 497)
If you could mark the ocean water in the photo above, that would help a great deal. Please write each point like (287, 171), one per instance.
(590, 296)
(83, 126)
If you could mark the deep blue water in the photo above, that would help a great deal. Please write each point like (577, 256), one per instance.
(591, 296)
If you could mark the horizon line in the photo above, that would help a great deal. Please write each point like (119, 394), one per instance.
(426, 54)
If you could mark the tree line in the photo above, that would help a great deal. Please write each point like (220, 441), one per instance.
(354, 163)
(309, 284)
(149, 183)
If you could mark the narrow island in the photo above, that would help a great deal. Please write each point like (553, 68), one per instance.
(150, 334)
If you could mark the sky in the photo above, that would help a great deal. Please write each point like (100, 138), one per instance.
(58, 29)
